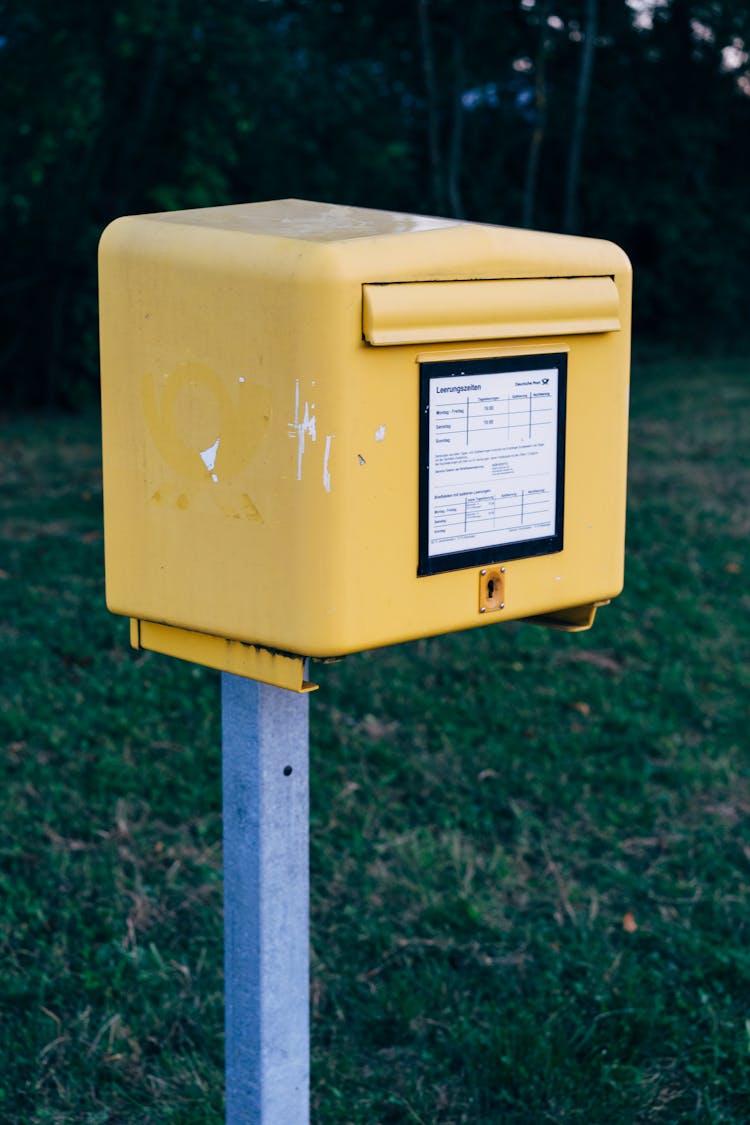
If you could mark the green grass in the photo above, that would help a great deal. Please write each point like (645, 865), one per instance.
(530, 851)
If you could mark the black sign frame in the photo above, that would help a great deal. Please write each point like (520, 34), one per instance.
(500, 552)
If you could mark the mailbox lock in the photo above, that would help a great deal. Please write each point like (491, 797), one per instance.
(491, 589)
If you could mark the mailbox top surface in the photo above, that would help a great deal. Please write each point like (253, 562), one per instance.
(294, 234)
(307, 221)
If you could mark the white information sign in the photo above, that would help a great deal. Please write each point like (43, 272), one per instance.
(493, 465)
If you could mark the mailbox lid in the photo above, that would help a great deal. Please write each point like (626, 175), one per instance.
(442, 311)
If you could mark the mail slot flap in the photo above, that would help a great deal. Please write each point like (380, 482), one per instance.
(427, 312)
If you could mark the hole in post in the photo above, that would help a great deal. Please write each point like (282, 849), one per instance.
(287, 771)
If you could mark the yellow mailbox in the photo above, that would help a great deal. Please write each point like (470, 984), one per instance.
(327, 429)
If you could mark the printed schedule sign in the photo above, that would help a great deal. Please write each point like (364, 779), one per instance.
(492, 458)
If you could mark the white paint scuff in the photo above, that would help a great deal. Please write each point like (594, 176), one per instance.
(380, 433)
(208, 457)
(326, 455)
(300, 428)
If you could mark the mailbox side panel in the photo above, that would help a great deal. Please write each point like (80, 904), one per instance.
(219, 423)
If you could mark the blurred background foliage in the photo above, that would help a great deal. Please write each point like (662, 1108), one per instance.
(627, 119)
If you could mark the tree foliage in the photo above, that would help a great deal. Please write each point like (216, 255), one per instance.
(626, 120)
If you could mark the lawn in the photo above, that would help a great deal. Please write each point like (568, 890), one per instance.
(530, 852)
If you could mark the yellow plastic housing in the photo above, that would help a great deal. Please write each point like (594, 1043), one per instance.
(260, 400)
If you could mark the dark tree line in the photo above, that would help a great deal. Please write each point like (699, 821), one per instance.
(623, 120)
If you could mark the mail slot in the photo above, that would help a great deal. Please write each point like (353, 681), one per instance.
(327, 429)
(433, 312)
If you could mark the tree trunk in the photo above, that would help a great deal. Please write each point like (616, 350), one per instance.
(134, 140)
(572, 180)
(540, 118)
(457, 132)
(433, 105)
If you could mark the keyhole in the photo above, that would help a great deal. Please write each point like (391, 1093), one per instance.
(491, 589)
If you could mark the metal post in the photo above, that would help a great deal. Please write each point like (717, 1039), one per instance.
(266, 903)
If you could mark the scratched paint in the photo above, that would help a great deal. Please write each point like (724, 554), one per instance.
(208, 457)
(326, 455)
(380, 433)
(301, 428)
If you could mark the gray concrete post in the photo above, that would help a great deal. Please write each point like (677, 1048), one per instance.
(266, 903)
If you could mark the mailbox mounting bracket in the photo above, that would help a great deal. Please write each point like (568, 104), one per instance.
(278, 669)
(576, 619)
